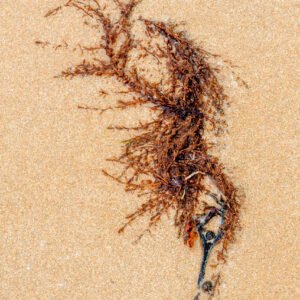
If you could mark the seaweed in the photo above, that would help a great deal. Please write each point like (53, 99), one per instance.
(168, 161)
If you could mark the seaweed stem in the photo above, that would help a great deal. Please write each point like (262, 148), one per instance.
(207, 243)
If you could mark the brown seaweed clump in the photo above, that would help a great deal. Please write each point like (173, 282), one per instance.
(168, 160)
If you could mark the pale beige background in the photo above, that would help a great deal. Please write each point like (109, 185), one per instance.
(59, 215)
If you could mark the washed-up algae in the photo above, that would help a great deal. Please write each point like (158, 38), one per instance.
(168, 161)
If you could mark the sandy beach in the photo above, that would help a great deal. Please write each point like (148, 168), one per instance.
(59, 215)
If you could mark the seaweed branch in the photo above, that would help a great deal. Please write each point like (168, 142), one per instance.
(172, 150)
